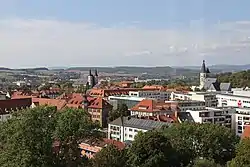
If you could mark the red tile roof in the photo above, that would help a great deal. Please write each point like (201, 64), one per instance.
(14, 104)
(149, 105)
(60, 104)
(94, 102)
(118, 91)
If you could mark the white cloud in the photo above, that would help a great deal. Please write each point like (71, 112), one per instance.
(56, 43)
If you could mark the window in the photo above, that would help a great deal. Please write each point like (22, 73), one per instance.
(130, 130)
(135, 130)
(130, 136)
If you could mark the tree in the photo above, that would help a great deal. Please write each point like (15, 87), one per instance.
(122, 110)
(202, 141)
(26, 139)
(151, 149)
(73, 126)
(205, 163)
(110, 156)
(242, 155)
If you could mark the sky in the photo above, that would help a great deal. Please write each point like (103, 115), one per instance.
(35, 33)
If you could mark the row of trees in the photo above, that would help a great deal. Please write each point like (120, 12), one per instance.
(185, 145)
(46, 138)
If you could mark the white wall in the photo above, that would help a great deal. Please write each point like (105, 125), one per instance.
(232, 100)
(124, 133)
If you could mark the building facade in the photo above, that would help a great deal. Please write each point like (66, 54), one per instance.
(115, 101)
(231, 100)
(126, 128)
(212, 115)
(158, 95)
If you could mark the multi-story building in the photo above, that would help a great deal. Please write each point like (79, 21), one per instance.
(231, 100)
(126, 128)
(212, 115)
(115, 101)
(207, 97)
(150, 107)
(241, 120)
(6, 106)
(158, 95)
(97, 107)
(184, 105)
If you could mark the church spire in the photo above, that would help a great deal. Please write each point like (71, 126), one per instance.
(203, 67)
(96, 73)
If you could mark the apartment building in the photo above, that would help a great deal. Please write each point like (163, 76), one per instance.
(241, 120)
(115, 101)
(126, 128)
(6, 106)
(158, 95)
(207, 97)
(184, 105)
(212, 115)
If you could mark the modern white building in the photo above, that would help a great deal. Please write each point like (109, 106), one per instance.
(127, 128)
(158, 95)
(212, 115)
(231, 100)
(241, 119)
(207, 97)
(185, 105)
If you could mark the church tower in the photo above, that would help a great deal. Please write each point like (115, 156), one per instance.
(203, 75)
(96, 77)
(91, 80)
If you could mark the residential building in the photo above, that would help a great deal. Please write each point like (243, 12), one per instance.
(126, 128)
(231, 100)
(96, 106)
(241, 120)
(207, 97)
(184, 105)
(89, 149)
(209, 115)
(58, 103)
(10, 105)
(115, 101)
(158, 95)
(104, 93)
(150, 107)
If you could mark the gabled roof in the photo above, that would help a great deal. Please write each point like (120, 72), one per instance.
(225, 86)
(150, 105)
(60, 104)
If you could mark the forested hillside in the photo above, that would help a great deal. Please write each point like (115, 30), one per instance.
(238, 79)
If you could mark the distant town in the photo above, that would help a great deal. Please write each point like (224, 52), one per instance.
(127, 101)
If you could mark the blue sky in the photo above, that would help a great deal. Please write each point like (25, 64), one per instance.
(151, 22)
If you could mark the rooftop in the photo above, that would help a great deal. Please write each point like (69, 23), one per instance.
(139, 123)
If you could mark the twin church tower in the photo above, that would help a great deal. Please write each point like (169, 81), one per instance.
(92, 79)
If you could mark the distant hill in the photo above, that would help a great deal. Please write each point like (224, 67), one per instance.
(218, 68)
(24, 69)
